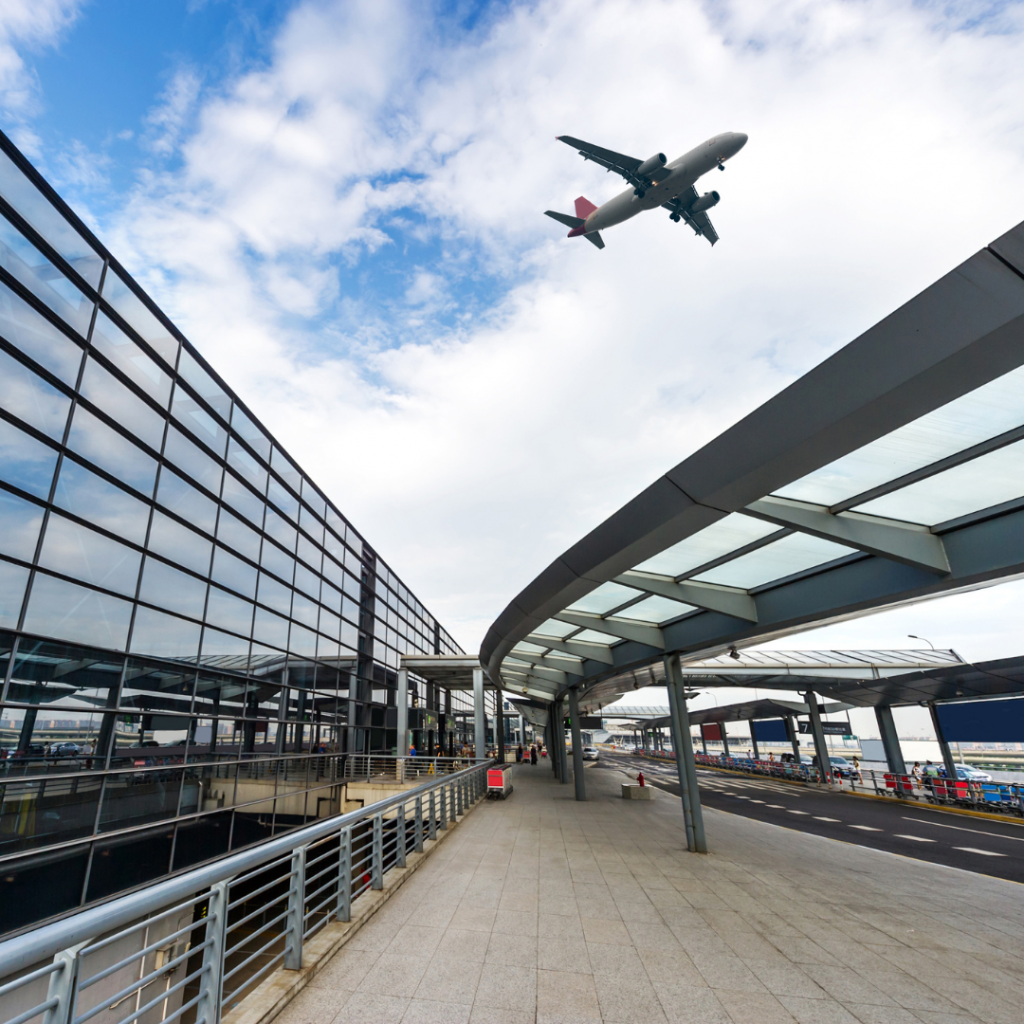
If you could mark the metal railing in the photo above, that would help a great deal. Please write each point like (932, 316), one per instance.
(194, 945)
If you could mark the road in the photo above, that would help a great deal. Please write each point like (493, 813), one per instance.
(957, 840)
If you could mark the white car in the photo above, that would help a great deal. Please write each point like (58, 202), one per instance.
(591, 754)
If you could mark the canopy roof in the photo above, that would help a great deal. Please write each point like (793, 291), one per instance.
(891, 473)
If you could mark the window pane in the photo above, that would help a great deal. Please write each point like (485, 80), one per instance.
(204, 385)
(274, 594)
(236, 534)
(274, 559)
(30, 398)
(180, 544)
(311, 524)
(196, 463)
(302, 642)
(112, 451)
(330, 623)
(75, 550)
(243, 500)
(270, 629)
(225, 611)
(234, 573)
(34, 335)
(190, 414)
(66, 611)
(312, 497)
(48, 221)
(307, 581)
(12, 590)
(139, 316)
(91, 497)
(20, 521)
(112, 397)
(25, 462)
(250, 433)
(775, 561)
(157, 635)
(23, 261)
(181, 497)
(222, 645)
(331, 597)
(603, 599)
(246, 465)
(310, 553)
(122, 351)
(655, 609)
(304, 610)
(283, 532)
(286, 470)
(173, 589)
(283, 499)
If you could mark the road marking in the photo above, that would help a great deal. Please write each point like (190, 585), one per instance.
(984, 853)
(917, 839)
(757, 801)
(818, 818)
(960, 828)
(866, 828)
(791, 811)
(775, 807)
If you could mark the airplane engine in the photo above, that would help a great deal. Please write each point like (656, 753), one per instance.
(651, 166)
(705, 202)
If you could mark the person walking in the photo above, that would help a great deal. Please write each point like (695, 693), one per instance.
(533, 755)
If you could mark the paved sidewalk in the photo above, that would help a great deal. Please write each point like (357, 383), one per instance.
(542, 909)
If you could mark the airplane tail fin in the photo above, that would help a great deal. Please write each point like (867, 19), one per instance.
(565, 218)
(595, 238)
(584, 208)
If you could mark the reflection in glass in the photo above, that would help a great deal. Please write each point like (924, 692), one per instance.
(173, 589)
(302, 641)
(270, 629)
(307, 581)
(25, 462)
(247, 466)
(181, 497)
(194, 417)
(775, 561)
(107, 393)
(48, 221)
(331, 597)
(251, 434)
(222, 645)
(12, 590)
(126, 355)
(20, 521)
(111, 451)
(274, 594)
(138, 315)
(39, 339)
(313, 498)
(89, 496)
(274, 559)
(204, 385)
(240, 498)
(23, 261)
(284, 533)
(286, 470)
(192, 460)
(178, 543)
(310, 553)
(75, 550)
(236, 534)
(67, 611)
(330, 623)
(233, 572)
(285, 501)
(603, 599)
(304, 610)
(157, 635)
(654, 609)
(225, 611)
(30, 398)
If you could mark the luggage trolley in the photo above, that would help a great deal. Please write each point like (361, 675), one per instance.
(499, 782)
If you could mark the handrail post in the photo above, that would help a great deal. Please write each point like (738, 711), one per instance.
(432, 821)
(344, 910)
(400, 836)
(62, 985)
(296, 906)
(208, 1007)
(418, 826)
(377, 864)
(443, 822)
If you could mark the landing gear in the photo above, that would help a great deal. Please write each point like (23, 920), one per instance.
(674, 217)
(721, 166)
(639, 193)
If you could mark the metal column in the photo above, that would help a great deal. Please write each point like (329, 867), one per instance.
(479, 713)
(820, 747)
(947, 754)
(753, 742)
(402, 703)
(499, 724)
(563, 754)
(890, 741)
(725, 739)
(794, 736)
(700, 843)
(677, 746)
(577, 745)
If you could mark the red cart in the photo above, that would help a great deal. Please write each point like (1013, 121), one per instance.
(499, 783)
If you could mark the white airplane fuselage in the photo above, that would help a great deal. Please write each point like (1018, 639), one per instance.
(672, 179)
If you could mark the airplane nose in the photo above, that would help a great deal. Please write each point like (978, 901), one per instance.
(739, 139)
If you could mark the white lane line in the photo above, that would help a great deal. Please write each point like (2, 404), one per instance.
(757, 801)
(776, 807)
(791, 811)
(917, 839)
(960, 828)
(984, 853)
(819, 818)
(866, 828)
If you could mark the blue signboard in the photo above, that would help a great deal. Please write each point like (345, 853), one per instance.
(770, 730)
(983, 721)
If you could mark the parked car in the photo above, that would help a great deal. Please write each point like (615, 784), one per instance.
(591, 754)
(840, 766)
(971, 774)
(790, 758)
(66, 750)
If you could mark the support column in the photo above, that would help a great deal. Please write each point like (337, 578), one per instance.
(402, 706)
(820, 747)
(725, 740)
(947, 754)
(577, 745)
(499, 724)
(890, 741)
(753, 742)
(550, 740)
(479, 714)
(794, 736)
(677, 747)
(700, 843)
(563, 754)
(703, 741)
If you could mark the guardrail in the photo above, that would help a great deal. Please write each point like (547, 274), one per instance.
(186, 947)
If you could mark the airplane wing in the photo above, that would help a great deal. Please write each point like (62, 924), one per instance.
(700, 222)
(607, 158)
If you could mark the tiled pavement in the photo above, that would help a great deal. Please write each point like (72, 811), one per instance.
(542, 909)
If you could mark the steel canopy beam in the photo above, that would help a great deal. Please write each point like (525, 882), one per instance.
(727, 600)
(579, 648)
(640, 633)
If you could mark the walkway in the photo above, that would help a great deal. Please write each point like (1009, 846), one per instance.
(542, 909)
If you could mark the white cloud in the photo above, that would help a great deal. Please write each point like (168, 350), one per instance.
(886, 145)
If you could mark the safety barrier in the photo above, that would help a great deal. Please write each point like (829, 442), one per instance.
(188, 946)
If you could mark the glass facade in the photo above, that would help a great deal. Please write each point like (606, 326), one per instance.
(169, 577)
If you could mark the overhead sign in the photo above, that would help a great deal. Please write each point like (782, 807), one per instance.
(983, 721)
(829, 728)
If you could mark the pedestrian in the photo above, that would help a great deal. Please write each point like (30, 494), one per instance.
(533, 755)
(519, 754)
(412, 749)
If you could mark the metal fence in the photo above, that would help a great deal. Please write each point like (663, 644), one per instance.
(192, 946)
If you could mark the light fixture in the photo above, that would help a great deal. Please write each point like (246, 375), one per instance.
(733, 653)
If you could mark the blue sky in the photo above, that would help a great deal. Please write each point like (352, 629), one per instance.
(341, 204)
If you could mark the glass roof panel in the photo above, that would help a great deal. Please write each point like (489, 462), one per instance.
(988, 480)
(774, 561)
(592, 636)
(604, 598)
(989, 410)
(554, 628)
(655, 609)
(527, 648)
(734, 531)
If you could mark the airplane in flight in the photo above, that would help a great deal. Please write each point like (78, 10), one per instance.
(655, 182)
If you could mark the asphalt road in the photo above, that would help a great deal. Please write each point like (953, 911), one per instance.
(958, 840)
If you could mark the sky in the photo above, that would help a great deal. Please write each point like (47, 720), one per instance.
(340, 204)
